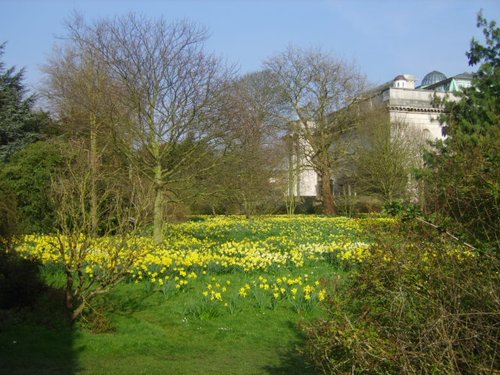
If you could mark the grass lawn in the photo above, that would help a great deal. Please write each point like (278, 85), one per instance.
(228, 313)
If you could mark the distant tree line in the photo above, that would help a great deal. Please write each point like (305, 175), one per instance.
(147, 123)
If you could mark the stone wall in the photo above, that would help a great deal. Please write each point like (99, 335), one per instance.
(425, 121)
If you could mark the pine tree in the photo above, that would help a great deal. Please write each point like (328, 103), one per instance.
(19, 125)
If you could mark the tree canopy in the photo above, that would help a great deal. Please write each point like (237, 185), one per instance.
(317, 90)
(19, 124)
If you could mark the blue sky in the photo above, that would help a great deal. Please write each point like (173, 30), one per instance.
(384, 38)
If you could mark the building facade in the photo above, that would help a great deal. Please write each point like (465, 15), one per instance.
(414, 105)
(406, 103)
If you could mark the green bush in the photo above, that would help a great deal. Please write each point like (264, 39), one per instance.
(418, 304)
(8, 211)
(27, 179)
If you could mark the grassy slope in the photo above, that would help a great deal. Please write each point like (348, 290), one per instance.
(167, 334)
(158, 334)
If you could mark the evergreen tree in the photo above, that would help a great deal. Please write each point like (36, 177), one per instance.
(464, 170)
(19, 125)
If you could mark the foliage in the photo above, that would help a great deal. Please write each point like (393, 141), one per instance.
(84, 98)
(8, 211)
(28, 177)
(20, 281)
(405, 211)
(420, 302)
(417, 304)
(246, 181)
(463, 176)
(19, 124)
(386, 156)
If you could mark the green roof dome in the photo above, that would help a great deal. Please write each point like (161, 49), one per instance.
(433, 77)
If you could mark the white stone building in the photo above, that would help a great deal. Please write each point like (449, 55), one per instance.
(406, 103)
(414, 105)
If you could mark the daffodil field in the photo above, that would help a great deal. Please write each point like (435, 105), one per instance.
(228, 260)
(221, 294)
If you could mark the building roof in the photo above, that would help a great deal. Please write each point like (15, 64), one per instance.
(440, 83)
(400, 78)
(432, 77)
(451, 84)
(464, 75)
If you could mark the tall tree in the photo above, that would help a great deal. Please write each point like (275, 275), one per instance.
(317, 91)
(464, 169)
(253, 153)
(19, 125)
(168, 85)
(82, 96)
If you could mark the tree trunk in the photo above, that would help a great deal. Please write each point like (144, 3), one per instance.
(69, 299)
(93, 173)
(327, 194)
(77, 312)
(292, 181)
(247, 208)
(158, 207)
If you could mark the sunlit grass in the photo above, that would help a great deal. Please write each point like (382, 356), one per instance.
(221, 295)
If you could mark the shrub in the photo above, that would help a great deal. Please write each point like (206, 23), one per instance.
(8, 211)
(27, 179)
(417, 304)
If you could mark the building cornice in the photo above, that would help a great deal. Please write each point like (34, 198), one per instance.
(414, 109)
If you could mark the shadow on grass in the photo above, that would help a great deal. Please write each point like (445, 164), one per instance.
(292, 362)
(127, 299)
(38, 339)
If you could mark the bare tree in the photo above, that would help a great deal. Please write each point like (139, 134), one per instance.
(317, 90)
(80, 91)
(168, 84)
(386, 156)
(93, 265)
(253, 147)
